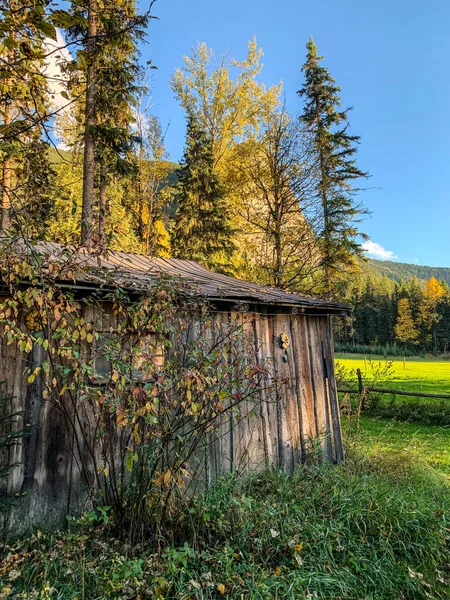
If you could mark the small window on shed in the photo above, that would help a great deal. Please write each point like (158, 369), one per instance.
(101, 365)
(148, 357)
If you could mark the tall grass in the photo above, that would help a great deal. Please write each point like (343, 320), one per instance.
(364, 530)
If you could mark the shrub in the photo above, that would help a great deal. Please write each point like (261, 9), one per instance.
(11, 434)
(416, 410)
(143, 386)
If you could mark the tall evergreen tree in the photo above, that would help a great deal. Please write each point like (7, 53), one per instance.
(335, 151)
(107, 60)
(201, 229)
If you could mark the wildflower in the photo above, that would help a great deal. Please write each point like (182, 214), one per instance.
(274, 533)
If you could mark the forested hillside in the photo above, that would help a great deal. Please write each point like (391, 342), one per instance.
(395, 311)
(399, 271)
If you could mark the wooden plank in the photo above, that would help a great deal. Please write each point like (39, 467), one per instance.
(268, 395)
(294, 417)
(239, 430)
(249, 454)
(263, 441)
(287, 410)
(224, 429)
(329, 450)
(310, 431)
(332, 392)
(296, 359)
(17, 387)
(316, 364)
(274, 406)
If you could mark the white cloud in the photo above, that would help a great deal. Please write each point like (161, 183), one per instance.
(56, 54)
(377, 251)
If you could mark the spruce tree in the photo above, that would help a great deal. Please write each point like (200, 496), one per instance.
(201, 229)
(335, 152)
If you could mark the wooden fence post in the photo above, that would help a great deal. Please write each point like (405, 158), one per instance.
(361, 390)
(360, 385)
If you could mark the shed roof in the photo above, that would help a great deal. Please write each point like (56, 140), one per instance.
(137, 272)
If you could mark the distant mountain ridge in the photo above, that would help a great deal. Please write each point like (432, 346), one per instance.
(398, 271)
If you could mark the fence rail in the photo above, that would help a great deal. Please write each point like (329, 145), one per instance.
(363, 390)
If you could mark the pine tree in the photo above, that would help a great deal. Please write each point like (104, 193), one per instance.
(201, 229)
(335, 151)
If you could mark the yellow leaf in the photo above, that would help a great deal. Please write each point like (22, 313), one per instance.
(167, 477)
(121, 419)
(90, 338)
(221, 588)
(136, 435)
(106, 471)
(115, 376)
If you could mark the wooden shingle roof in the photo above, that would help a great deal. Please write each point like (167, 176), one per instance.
(137, 272)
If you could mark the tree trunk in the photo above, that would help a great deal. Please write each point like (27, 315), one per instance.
(326, 232)
(103, 203)
(6, 195)
(87, 211)
(5, 217)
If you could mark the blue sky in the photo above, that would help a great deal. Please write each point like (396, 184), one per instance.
(392, 60)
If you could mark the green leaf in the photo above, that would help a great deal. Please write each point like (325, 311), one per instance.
(63, 20)
(47, 29)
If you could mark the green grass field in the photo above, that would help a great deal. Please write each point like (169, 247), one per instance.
(424, 442)
(430, 444)
(421, 374)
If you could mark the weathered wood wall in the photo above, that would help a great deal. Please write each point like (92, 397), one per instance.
(293, 417)
(280, 426)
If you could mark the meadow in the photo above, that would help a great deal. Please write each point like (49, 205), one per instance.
(420, 375)
(402, 434)
(375, 527)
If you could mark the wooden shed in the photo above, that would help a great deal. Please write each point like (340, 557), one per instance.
(293, 332)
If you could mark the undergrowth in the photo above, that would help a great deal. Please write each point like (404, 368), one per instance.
(369, 530)
(413, 410)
